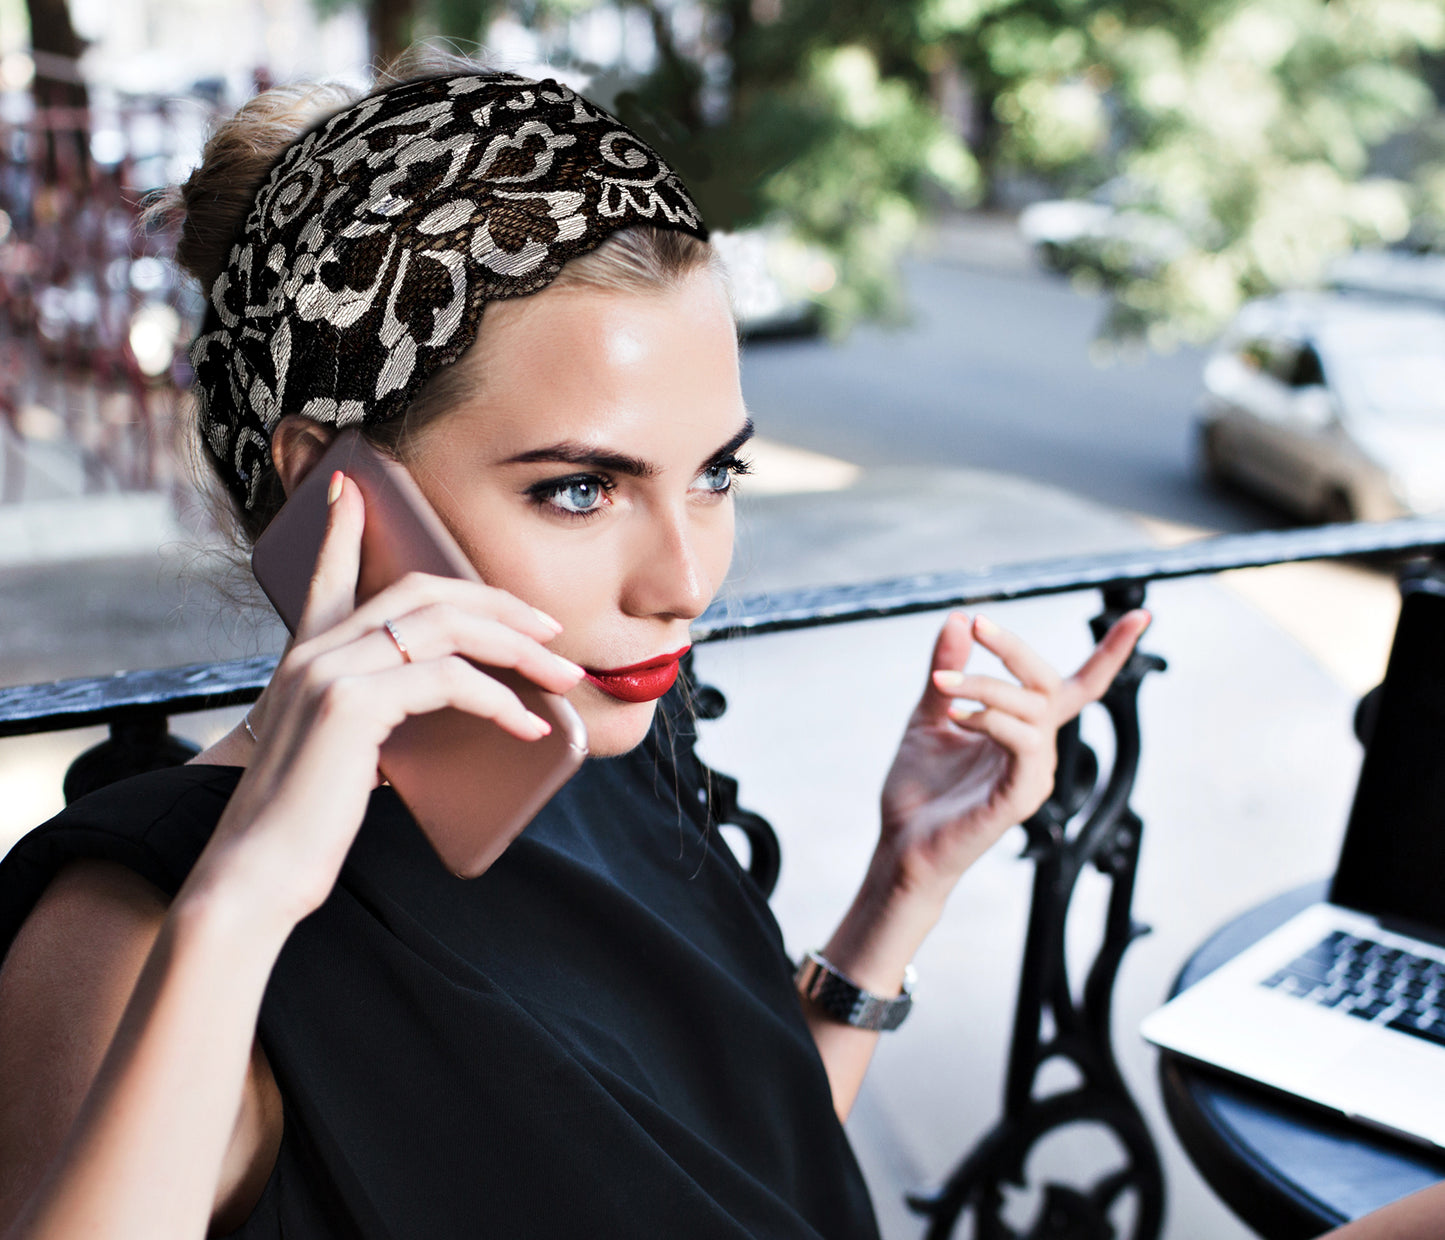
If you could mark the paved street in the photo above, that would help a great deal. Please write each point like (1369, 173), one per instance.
(994, 372)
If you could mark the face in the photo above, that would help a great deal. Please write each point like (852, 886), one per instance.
(590, 475)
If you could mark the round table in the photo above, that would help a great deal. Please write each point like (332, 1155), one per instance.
(1287, 1169)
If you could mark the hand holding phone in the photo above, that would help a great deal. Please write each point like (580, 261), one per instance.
(471, 786)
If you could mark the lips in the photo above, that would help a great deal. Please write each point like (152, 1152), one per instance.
(640, 682)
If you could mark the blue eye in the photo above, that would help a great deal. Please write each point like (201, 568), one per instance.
(580, 496)
(718, 477)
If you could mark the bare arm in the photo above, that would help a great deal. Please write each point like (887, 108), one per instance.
(143, 1151)
(876, 940)
(962, 777)
(1420, 1216)
(63, 989)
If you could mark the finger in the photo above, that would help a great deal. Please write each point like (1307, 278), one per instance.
(950, 653)
(421, 688)
(417, 590)
(1026, 704)
(1031, 668)
(1097, 673)
(442, 629)
(1013, 733)
(331, 594)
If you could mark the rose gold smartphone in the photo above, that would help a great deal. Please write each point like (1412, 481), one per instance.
(471, 786)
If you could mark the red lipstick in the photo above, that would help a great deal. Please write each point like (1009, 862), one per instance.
(641, 682)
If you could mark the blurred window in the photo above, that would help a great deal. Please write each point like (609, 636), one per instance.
(1400, 387)
(1306, 370)
(1273, 357)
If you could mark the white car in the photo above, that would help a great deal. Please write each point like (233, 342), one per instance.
(1331, 405)
(1113, 226)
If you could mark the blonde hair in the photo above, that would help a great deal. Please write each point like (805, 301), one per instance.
(211, 207)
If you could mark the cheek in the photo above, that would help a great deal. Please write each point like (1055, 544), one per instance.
(571, 582)
(562, 577)
(717, 551)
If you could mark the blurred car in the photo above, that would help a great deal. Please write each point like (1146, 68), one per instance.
(1113, 227)
(765, 301)
(1331, 405)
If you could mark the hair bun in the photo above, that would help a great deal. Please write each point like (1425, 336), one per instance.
(214, 200)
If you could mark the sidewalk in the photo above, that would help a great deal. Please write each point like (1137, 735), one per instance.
(1244, 784)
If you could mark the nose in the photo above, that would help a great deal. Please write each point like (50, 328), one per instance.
(674, 569)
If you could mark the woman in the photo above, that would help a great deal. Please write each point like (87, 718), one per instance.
(246, 997)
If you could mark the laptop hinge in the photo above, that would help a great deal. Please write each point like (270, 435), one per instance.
(1413, 929)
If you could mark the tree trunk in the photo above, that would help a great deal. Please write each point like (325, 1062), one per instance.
(390, 23)
(61, 100)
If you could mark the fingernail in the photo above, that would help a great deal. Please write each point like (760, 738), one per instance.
(962, 714)
(575, 668)
(540, 725)
(546, 619)
(333, 492)
(948, 681)
(984, 627)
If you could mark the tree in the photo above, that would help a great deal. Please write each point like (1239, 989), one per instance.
(1250, 128)
(59, 91)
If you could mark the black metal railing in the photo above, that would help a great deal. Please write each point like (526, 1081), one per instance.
(1087, 821)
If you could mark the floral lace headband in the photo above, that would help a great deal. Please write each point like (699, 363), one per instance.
(371, 251)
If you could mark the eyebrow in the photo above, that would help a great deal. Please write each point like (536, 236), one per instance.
(570, 452)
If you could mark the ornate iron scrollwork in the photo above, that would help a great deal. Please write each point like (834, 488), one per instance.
(1051, 1021)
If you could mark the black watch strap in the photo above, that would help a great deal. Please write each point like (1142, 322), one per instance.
(842, 999)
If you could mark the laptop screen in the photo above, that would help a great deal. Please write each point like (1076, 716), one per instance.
(1393, 861)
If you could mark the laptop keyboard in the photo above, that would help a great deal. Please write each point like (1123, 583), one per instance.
(1366, 979)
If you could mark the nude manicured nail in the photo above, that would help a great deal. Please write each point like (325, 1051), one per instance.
(984, 627)
(948, 681)
(539, 725)
(575, 668)
(546, 619)
(963, 714)
(333, 492)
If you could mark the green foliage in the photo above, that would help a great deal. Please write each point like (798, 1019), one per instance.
(816, 139)
(1247, 126)
(1246, 130)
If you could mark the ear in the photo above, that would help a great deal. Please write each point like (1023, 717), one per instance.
(297, 444)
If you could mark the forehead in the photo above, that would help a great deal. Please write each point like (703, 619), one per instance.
(643, 373)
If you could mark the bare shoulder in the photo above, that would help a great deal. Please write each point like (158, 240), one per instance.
(79, 953)
(64, 985)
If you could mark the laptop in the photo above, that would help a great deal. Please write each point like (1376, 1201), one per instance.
(1344, 1005)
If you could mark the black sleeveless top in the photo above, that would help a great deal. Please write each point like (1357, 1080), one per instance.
(597, 1038)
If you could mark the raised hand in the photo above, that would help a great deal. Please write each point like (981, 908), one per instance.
(963, 775)
(338, 692)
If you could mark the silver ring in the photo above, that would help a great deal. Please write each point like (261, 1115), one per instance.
(396, 638)
(250, 731)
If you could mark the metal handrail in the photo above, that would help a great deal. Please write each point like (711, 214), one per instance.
(64, 704)
(1087, 822)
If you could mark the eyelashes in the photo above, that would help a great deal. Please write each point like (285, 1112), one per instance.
(734, 464)
(579, 496)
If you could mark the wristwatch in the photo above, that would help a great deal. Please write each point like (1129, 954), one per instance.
(841, 998)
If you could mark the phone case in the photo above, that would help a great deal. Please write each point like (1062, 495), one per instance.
(471, 786)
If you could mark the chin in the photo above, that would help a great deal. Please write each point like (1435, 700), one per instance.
(614, 727)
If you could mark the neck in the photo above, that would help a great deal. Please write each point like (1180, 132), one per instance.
(233, 749)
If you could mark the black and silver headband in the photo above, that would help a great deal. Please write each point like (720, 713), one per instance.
(372, 249)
